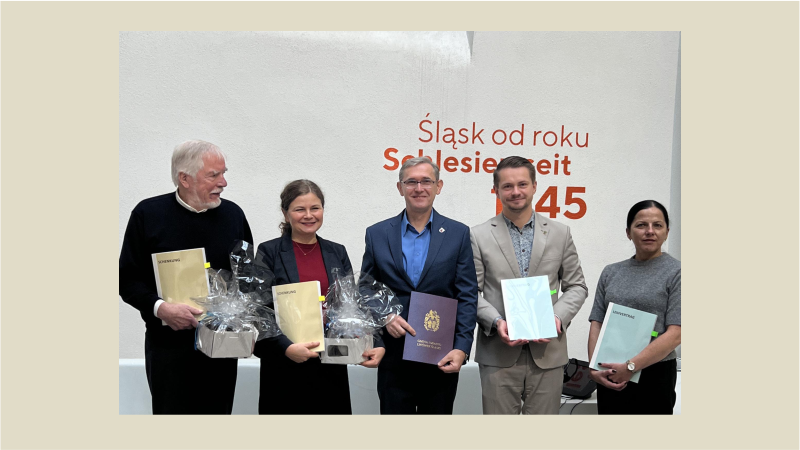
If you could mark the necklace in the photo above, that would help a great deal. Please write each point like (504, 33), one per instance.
(301, 248)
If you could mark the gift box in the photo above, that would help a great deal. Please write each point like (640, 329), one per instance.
(345, 351)
(356, 308)
(225, 344)
(237, 306)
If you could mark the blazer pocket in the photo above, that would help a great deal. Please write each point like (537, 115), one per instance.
(548, 265)
(446, 261)
(551, 258)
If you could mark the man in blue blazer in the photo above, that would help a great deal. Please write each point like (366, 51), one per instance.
(423, 251)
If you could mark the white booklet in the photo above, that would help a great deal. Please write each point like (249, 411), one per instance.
(529, 308)
(625, 333)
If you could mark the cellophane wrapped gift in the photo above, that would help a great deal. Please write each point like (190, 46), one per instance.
(238, 307)
(356, 308)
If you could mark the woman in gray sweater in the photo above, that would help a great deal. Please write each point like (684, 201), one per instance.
(650, 281)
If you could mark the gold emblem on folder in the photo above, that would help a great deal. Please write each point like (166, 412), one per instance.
(432, 321)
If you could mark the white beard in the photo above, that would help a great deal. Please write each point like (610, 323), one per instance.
(193, 199)
(213, 204)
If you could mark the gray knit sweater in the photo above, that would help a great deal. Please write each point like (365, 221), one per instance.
(653, 286)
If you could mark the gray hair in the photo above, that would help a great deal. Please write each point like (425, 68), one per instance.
(188, 158)
(417, 161)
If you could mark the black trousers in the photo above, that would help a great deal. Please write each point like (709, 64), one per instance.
(409, 387)
(653, 394)
(287, 387)
(183, 380)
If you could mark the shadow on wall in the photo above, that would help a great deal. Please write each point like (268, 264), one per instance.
(134, 395)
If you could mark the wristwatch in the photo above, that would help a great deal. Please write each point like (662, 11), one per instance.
(631, 365)
(496, 319)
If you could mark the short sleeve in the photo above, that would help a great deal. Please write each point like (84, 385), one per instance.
(673, 315)
(599, 306)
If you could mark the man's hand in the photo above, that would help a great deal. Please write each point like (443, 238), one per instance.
(451, 363)
(398, 327)
(502, 331)
(178, 316)
(545, 341)
(616, 378)
(301, 352)
(374, 357)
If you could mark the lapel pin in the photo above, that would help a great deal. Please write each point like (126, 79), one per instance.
(441, 230)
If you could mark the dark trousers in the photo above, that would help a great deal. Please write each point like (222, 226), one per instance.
(183, 380)
(653, 394)
(287, 387)
(408, 387)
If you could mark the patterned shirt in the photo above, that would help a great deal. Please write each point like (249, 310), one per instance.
(523, 243)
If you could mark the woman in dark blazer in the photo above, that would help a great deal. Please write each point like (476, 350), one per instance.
(292, 379)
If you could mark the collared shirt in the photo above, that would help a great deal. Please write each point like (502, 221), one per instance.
(190, 208)
(523, 243)
(186, 205)
(415, 247)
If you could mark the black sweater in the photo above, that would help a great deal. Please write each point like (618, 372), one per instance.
(161, 224)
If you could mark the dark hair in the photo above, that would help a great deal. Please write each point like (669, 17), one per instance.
(513, 162)
(644, 204)
(293, 190)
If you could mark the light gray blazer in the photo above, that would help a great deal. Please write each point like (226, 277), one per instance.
(553, 254)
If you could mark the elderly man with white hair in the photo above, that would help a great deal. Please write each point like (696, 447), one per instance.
(181, 379)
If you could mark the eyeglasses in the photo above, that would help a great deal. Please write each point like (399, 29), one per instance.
(427, 183)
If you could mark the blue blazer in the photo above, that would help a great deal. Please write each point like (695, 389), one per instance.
(449, 271)
(278, 255)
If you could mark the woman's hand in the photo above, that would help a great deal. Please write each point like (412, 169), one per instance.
(605, 377)
(373, 356)
(301, 352)
(619, 372)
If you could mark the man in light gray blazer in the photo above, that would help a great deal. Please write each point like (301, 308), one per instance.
(522, 376)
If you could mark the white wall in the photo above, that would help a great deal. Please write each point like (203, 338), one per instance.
(326, 106)
(675, 185)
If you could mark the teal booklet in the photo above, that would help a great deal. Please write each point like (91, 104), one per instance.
(529, 308)
(625, 333)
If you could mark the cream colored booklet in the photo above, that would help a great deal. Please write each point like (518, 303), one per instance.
(299, 312)
(181, 275)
